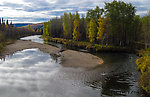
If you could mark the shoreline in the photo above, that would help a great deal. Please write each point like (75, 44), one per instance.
(92, 47)
(69, 58)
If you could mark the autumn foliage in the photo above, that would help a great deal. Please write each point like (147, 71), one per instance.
(100, 29)
(76, 33)
(143, 65)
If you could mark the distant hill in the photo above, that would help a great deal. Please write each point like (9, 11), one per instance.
(35, 26)
(21, 24)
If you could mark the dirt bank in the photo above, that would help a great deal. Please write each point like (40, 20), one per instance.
(80, 59)
(69, 58)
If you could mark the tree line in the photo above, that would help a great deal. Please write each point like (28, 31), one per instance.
(115, 24)
(8, 31)
(143, 63)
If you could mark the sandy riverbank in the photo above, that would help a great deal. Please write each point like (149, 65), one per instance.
(69, 58)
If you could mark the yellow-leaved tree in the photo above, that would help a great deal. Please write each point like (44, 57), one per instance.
(100, 29)
(76, 33)
(143, 65)
(29, 27)
(92, 31)
(45, 31)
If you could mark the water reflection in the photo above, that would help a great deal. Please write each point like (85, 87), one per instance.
(117, 85)
(26, 73)
(32, 73)
(119, 77)
(56, 44)
(35, 38)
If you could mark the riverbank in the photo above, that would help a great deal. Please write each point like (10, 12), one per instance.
(143, 64)
(69, 58)
(4, 43)
(91, 47)
(2, 47)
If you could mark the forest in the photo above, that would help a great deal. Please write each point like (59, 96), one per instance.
(115, 25)
(9, 33)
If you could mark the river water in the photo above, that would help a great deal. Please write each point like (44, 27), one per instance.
(33, 73)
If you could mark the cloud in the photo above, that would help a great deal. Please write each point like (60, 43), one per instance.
(142, 6)
(12, 5)
(28, 19)
(43, 9)
(38, 3)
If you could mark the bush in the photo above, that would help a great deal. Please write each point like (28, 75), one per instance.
(143, 64)
(145, 81)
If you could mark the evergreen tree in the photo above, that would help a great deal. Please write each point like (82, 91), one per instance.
(7, 22)
(82, 28)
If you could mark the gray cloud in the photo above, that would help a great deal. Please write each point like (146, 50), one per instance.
(12, 5)
(27, 19)
(38, 3)
(52, 7)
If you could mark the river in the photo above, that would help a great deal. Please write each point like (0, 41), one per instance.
(33, 73)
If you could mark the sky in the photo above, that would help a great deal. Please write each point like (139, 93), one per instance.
(35, 11)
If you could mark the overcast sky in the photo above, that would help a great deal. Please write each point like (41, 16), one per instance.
(42, 10)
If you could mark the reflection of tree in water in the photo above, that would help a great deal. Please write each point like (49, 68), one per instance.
(113, 57)
(114, 85)
(118, 84)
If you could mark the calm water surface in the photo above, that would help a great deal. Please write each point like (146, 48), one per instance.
(35, 38)
(32, 73)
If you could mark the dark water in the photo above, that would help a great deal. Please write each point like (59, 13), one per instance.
(120, 75)
(32, 73)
